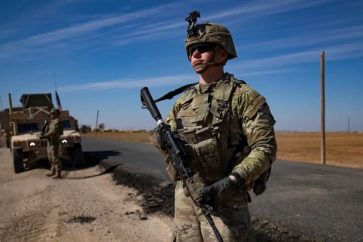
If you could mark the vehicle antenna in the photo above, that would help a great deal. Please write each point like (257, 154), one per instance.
(55, 81)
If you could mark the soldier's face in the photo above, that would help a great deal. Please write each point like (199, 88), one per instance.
(203, 53)
(201, 56)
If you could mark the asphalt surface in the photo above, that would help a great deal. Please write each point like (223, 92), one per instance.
(319, 203)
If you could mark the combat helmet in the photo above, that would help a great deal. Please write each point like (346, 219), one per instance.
(209, 33)
(54, 111)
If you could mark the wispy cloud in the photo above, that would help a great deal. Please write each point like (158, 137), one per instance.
(345, 51)
(41, 40)
(155, 81)
(269, 72)
(150, 31)
(49, 8)
(146, 31)
(333, 53)
(253, 67)
(321, 37)
(36, 14)
(257, 9)
(264, 8)
(127, 83)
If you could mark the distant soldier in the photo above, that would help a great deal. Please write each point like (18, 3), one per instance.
(52, 133)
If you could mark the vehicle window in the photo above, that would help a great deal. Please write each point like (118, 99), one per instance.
(27, 128)
(66, 124)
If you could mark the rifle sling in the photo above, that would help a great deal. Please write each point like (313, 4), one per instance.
(175, 92)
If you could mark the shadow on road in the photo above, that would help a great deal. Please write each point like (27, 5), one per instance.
(91, 159)
(158, 194)
(158, 197)
(95, 157)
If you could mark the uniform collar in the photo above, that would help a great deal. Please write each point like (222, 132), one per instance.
(211, 86)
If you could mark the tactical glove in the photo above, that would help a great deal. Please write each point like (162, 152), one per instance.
(217, 188)
(155, 139)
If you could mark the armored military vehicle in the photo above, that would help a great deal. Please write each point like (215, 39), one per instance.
(23, 126)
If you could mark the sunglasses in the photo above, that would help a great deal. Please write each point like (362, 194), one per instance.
(202, 48)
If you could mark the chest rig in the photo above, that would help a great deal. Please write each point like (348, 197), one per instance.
(204, 122)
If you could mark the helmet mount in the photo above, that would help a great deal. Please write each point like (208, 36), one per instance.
(192, 21)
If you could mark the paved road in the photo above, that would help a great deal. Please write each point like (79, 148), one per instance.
(133, 156)
(323, 203)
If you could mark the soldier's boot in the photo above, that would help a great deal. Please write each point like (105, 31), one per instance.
(58, 175)
(51, 173)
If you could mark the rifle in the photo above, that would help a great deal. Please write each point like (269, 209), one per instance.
(44, 128)
(176, 148)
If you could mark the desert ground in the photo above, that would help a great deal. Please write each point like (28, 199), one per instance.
(342, 148)
(87, 206)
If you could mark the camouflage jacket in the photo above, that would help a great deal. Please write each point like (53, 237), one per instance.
(53, 131)
(228, 127)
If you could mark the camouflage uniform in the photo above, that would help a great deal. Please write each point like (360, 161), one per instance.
(52, 134)
(221, 122)
(230, 142)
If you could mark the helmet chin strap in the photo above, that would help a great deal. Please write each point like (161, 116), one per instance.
(203, 67)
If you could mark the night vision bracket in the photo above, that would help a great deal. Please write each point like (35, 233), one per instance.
(192, 20)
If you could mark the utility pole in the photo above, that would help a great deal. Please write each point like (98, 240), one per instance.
(348, 125)
(322, 73)
(97, 122)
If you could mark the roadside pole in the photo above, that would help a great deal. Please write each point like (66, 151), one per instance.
(322, 73)
(348, 126)
(96, 128)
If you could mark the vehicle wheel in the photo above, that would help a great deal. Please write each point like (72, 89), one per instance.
(18, 160)
(77, 155)
(8, 144)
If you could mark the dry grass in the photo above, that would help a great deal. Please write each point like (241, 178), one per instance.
(142, 137)
(342, 149)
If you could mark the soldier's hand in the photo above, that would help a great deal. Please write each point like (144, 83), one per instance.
(155, 139)
(217, 188)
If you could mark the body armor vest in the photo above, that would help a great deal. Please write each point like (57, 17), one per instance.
(204, 122)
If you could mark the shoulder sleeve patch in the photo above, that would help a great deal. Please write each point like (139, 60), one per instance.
(255, 105)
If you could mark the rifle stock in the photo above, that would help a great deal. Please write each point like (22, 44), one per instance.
(176, 149)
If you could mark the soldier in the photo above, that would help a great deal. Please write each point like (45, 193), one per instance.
(228, 130)
(52, 133)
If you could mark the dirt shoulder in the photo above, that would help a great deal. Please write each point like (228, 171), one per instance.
(84, 206)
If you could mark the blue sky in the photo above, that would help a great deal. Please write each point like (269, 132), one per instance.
(103, 52)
